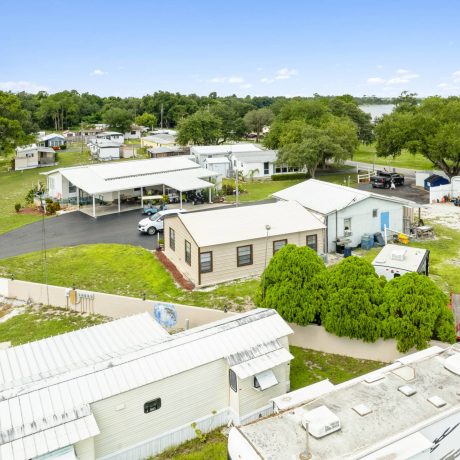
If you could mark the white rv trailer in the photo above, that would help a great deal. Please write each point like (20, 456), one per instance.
(407, 410)
(395, 260)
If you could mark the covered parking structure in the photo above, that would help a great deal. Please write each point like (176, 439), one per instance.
(124, 185)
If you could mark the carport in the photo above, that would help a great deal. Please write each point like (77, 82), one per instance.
(117, 187)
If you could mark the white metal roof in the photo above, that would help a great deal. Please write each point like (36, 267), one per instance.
(162, 138)
(326, 197)
(219, 226)
(256, 157)
(400, 257)
(54, 400)
(49, 440)
(393, 416)
(34, 361)
(223, 148)
(125, 175)
(217, 160)
(184, 184)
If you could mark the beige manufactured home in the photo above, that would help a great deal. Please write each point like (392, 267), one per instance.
(221, 245)
(128, 390)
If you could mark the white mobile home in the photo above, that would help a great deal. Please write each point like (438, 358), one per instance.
(258, 165)
(33, 156)
(128, 390)
(407, 410)
(211, 247)
(51, 140)
(395, 260)
(219, 164)
(104, 149)
(111, 136)
(201, 152)
(349, 213)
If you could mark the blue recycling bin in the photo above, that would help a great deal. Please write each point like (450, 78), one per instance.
(347, 251)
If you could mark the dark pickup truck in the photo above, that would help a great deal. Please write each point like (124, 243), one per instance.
(383, 179)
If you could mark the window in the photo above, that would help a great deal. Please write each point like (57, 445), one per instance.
(312, 242)
(277, 245)
(206, 262)
(72, 188)
(152, 405)
(347, 226)
(188, 252)
(375, 212)
(266, 168)
(232, 380)
(244, 255)
(172, 239)
(133, 133)
(264, 380)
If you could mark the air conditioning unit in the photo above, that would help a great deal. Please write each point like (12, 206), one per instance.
(398, 254)
(321, 422)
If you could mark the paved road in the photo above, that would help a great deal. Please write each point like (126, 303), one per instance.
(73, 229)
(77, 228)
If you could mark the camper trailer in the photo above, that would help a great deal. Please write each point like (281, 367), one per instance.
(395, 260)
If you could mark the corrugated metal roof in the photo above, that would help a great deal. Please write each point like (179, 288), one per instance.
(256, 157)
(219, 226)
(261, 363)
(24, 364)
(51, 439)
(223, 148)
(125, 175)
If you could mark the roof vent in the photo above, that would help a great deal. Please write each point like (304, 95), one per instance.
(407, 390)
(321, 422)
(406, 373)
(452, 363)
(362, 409)
(437, 401)
(398, 254)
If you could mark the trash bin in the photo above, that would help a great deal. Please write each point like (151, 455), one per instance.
(347, 251)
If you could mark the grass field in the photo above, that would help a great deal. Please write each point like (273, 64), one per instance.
(444, 257)
(366, 154)
(36, 324)
(15, 184)
(123, 270)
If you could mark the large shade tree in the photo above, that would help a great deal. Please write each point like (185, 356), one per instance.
(255, 120)
(431, 128)
(201, 128)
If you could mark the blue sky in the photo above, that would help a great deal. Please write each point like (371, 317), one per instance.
(131, 48)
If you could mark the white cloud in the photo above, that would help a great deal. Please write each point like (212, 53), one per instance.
(376, 81)
(98, 73)
(456, 76)
(233, 80)
(285, 73)
(267, 80)
(18, 86)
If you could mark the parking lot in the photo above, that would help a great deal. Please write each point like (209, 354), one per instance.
(408, 191)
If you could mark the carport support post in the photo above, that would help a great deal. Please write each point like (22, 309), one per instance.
(180, 199)
(78, 198)
(94, 206)
(164, 192)
(210, 195)
(119, 204)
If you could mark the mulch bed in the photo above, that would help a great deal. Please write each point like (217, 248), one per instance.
(176, 274)
(30, 211)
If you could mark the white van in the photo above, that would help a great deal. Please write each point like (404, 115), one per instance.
(154, 224)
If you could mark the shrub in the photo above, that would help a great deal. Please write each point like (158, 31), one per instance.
(17, 207)
(290, 176)
(52, 206)
(63, 146)
(415, 311)
(294, 283)
(355, 296)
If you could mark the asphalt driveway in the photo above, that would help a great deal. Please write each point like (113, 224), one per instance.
(73, 229)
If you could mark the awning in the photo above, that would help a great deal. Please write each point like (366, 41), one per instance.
(185, 184)
(262, 363)
(265, 379)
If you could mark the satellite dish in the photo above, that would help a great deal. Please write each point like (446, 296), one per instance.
(165, 314)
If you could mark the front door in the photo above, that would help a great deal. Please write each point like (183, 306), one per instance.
(384, 220)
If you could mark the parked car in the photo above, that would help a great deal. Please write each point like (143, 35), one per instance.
(383, 179)
(155, 223)
(150, 210)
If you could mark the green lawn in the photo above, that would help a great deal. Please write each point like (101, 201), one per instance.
(123, 270)
(36, 324)
(15, 184)
(366, 154)
(444, 257)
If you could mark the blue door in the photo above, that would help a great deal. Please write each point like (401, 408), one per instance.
(384, 220)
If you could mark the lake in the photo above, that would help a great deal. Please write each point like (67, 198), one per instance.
(377, 110)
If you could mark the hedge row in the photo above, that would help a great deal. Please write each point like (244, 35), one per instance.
(290, 176)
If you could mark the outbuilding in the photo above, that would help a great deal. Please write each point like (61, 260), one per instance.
(33, 156)
(349, 213)
(435, 180)
(396, 260)
(121, 186)
(129, 390)
(211, 247)
(104, 149)
(203, 152)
